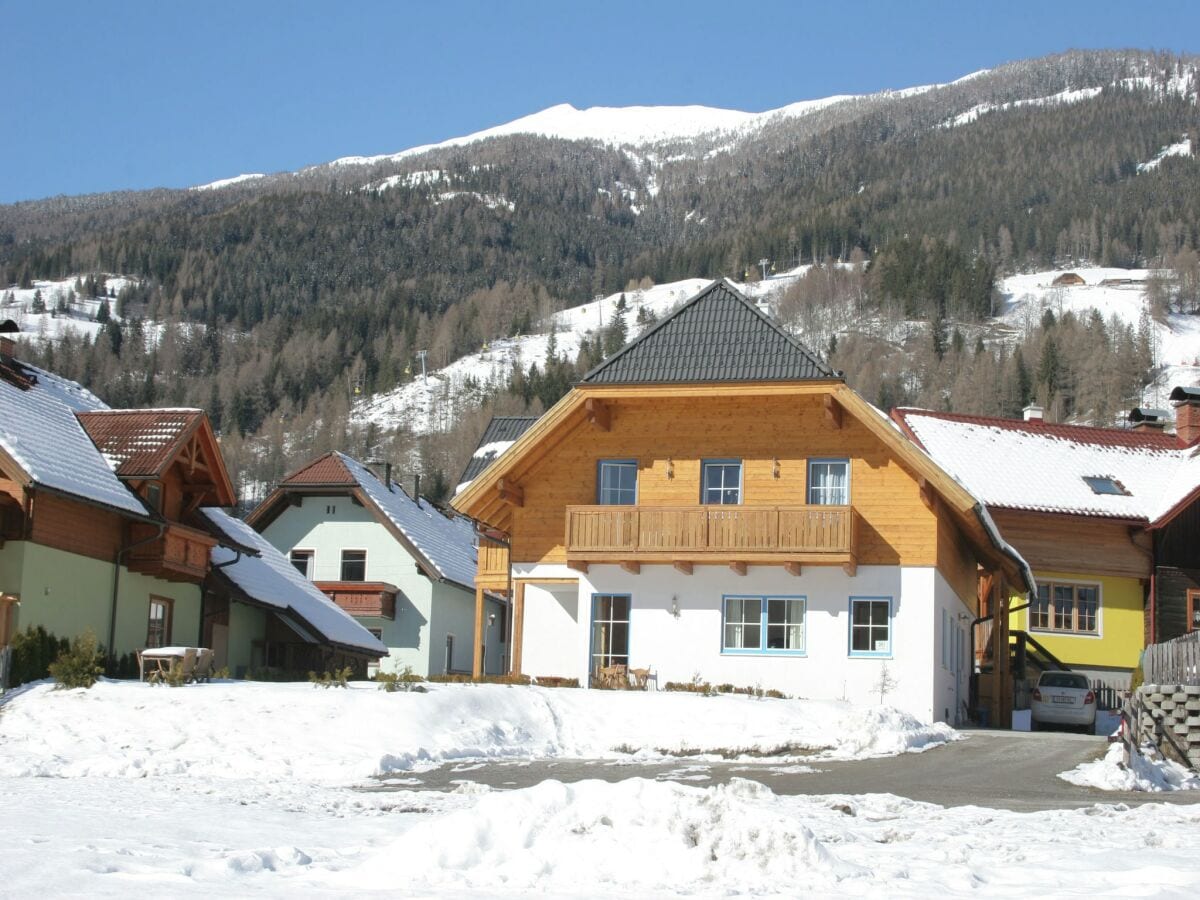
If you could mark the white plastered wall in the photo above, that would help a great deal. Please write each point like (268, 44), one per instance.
(679, 647)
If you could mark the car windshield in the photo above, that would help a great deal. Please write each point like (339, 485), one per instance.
(1062, 680)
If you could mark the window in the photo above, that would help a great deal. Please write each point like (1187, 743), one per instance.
(158, 626)
(610, 630)
(354, 565)
(617, 482)
(829, 482)
(330, 509)
(154, 496)
(764, 625)
(302, 560)
(373, 664)
(1069, 608)
(870, 626)
(1104, 484)
(1193, 604)
(721, 481)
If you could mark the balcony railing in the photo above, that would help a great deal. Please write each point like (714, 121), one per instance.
(718, 533)
(492, 566)
(180, 554)
(362, 598)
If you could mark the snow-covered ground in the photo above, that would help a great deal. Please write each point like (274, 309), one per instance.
(1112, 292)
(16, 303)
(1144, 773)
(251, 789)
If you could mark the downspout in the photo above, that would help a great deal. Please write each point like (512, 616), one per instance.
(112, 618)
(212, 567)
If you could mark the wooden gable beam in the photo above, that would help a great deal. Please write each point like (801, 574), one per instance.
(510, 493)
(599, 413)
(833, 411)
(927, 495)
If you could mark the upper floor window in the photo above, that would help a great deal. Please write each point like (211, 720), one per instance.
(829, 482)
(1066, 607)
(302, 560)
(354, 565)
(617, 482)
(721, 481)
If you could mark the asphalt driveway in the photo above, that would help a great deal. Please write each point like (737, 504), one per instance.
(998, 769)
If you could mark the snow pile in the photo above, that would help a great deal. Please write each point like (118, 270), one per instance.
(634, 835)
(1144, 773)
(231, 730)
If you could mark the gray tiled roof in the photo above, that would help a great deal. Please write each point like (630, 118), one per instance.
(718, 335)
(501, 431)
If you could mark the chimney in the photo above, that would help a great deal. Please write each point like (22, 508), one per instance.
(8, 343)
(417, 488)
(1033, 413)
(1148, 419)
(1187, 414)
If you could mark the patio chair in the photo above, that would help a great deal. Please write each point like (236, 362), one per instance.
(206, 664)
(639, 678)
(188, 670)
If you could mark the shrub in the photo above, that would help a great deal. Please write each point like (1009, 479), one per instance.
(462, 678)
(404, 680)
(556, 681)
(33, 650)
(125, 666)
(690, 687)
(80, 665)
(336, 678)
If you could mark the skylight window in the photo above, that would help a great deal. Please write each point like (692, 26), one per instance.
(1103, 484)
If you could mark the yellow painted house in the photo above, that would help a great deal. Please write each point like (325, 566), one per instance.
(1106, 517)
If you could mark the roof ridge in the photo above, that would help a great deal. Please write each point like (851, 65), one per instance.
(1149, 440)
(329, 454)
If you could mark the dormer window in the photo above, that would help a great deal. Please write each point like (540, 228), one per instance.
(1105, 484)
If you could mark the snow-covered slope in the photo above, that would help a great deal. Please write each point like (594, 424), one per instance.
(79, 315)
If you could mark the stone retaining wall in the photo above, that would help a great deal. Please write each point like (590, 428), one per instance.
(1174, 708)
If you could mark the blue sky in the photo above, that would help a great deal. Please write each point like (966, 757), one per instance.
(106, 96)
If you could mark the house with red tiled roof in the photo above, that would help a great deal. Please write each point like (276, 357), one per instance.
(391, 559)
(1108, 518)
(110, 520)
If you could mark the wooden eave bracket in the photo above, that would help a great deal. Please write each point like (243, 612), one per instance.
(633, 568)
(599, 413)
(793, 568)
(850, 567)
(738, 568)
(510, 493)
(833, 411)
(577, 565)
(683, 566)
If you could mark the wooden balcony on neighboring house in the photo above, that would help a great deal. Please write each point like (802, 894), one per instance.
(362, 598)
(12, 521)
(179, 554)
(684, 536)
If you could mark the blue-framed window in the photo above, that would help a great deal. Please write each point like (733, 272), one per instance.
(829, 482)
(616, 482)
(721, 481)
(870, 626)
(763, 625)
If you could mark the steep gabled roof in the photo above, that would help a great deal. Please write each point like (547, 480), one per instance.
(499, 435)
(43, 439)
(717, 336)
(1013, 464)
(270, 580)
(443, 547)
(139, 443)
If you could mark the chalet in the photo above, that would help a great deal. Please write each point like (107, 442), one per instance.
(403, 569)
(103, 518)
(1068, 279)
(713, 501)
(1108, 518)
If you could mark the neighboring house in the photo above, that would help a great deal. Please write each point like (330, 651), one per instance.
(103, 516)
(499, 435)
(714, 502)
(1108, 518)
(403, 569)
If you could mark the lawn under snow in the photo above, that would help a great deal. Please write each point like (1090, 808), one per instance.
(250, 789)
(1109, 773)
(256, 730)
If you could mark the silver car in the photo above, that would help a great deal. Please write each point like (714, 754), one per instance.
(1063, 698)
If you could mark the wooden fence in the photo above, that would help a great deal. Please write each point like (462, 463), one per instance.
(1173, 662)
(1109, 696)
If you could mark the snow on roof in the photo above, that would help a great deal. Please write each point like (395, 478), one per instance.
(447, 544)
(272, 580)
(39, 430)
(1013, 464)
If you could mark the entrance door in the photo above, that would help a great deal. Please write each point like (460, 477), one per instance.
(610, 631)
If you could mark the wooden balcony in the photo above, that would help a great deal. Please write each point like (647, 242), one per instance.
(712, 535)
(362, 598)
(491, 571)
(180, 554)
